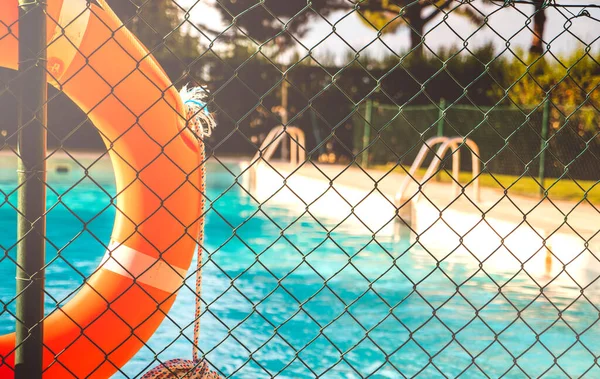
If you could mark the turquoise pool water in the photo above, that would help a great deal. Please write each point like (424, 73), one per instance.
(286, 296)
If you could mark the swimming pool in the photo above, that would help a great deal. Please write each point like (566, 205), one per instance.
(287, 294)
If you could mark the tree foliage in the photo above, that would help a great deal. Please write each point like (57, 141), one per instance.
(570, 83)
(286, 20)
(270, 19)
(160, 27)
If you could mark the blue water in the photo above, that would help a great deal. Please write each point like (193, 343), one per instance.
(287, 297)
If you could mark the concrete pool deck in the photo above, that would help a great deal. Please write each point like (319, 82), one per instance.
(546, 214)
(508, 230)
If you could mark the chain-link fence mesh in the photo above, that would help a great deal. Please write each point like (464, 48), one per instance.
(508, 137)
(333, 258)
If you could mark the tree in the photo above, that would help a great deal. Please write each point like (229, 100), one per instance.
(388, 16)
(539, 23)
(272, 18)
(388, 19)
(158, 25)
(264, 20)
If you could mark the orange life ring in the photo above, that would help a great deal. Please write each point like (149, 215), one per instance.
(157, 161)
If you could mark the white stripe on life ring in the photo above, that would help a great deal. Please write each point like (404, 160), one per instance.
(68, 35)
(142, 268)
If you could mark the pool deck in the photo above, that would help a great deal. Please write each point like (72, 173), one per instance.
(535, 231)
(546, 213)
(543, 213)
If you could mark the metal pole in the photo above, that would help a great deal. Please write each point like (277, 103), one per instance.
(440, 128)
(544, 145)
(364, 160)
(284, 113)
(316, 132)
(441, 117)
(31, 221)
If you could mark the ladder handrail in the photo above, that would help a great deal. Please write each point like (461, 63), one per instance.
(274, 139)
(270, 144)
(427, 146)
(446, 143)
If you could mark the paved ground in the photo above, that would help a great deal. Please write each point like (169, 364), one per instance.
(546, 214)
(556, 241)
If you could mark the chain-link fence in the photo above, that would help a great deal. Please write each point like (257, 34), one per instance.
(392, 189)
(508, 137)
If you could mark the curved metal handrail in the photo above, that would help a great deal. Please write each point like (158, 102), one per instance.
(446, 142)
(427, 146)
(271, 143)
(274, 139)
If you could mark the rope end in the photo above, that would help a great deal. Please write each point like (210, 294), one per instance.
(199, 119)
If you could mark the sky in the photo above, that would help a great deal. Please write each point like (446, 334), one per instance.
(503, 25)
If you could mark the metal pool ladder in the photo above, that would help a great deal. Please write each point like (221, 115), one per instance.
(455, 143)
(271, 143)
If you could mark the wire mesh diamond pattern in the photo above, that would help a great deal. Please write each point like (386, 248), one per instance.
(393, 189)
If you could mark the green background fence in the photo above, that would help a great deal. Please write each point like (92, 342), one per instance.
(507, 137)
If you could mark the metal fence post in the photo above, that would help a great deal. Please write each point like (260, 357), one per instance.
(364, 158)
(31, 222)
(285, 148)
(441, 116)
(544, 145)
(440, 129)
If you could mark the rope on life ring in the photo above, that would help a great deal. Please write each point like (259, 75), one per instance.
(201, 123)
(181, 369)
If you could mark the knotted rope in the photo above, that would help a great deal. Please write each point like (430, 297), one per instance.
(201, 123)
